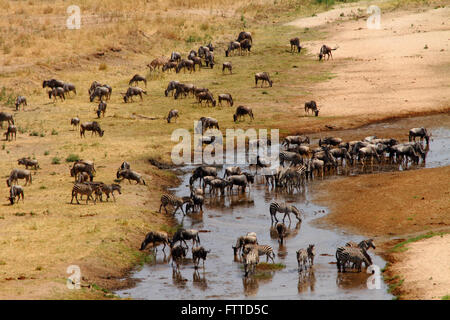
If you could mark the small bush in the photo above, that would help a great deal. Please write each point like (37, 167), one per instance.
(72, 158)
(34, 134)
(46, 153)
(56, 160)
(102, 66)
(54, 132)
(41, 135)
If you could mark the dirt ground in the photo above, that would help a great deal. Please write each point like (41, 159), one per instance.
(399, 69)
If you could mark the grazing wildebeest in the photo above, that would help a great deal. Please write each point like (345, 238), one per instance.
(17, 174)
(326, 50)
(15, 192)
(170, 87)
(244, 35)
(234, 45)
(227, 65)
(368, 152)
(281, 231)
(295, 43)
(69, 87)
(169, 66)
(311, 105)
(4, 116)
(231, 171)
(189, 64)
(208, 122)
(133, 91)
(155, 238)
(182, 235)
(264, 77)
(242, 111)
(419, 132)
(206, 95)
(227, 97)
(202, 51)
(172, 114)
(28, 162)
(57, 92)
(20, 100)
(75, 122)
(330, 141)
(129, 175)
(93, 126)
(10, 132)
(240, 180)
(246, 46)
(52, 83)
(136, 78)
(100, 92)
(101, 109)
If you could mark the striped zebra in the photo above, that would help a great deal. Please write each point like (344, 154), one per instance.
(293, 157)
(109, 189)
(176, 202)
(251, 259)
(302, 259)
(286, 209)
(262, 250)
(364, 245)
(350, 254)
(83, 189)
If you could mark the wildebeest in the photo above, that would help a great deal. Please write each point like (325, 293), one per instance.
(326, 50)
(419, 132)
(287, 141)
(201, 172)
(227, 65)
(82, 166)
(295, 43)
(242, 111)
(202, 51)
(100, 92)
(177, 254)
(264, 77)
(182, 235)
(4, 116)
(185, 64)
(330, 141)
(311, 105)
(133, 91)
(172, 114)
(10, 132)
(136, 78)
(52, 83)
(227, 97)
(155, 238)
(129, 175)
(250, 238)
(244, 35)
(197, 254)
(246, 46)
(175, 56)
(206, 95)
(17, 174)
(93, 126)
(57, 92)
(209, 59)
(281, 231)
(69, 87)
(234, 45)
(75, 122)
(170, 87)
(169, 66)
(20, 100)
(241, 180)
(101, 109)
(28, 162)
(15, 192)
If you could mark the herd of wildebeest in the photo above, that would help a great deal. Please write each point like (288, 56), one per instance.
(299, 161)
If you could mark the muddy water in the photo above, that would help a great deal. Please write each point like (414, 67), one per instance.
(225, 218)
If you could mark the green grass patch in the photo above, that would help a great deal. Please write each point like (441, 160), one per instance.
(401, 247)
(72, 157)
(447, 297)
(263, 266)
(56, 160)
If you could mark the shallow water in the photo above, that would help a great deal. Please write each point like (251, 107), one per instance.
(228, 217)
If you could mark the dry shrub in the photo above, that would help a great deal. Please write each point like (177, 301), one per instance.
(102, 66)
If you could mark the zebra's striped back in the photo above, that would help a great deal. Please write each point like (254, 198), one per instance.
(84, 189)
(171, 199)
(277, 207)
(350, 254)
(251, 259)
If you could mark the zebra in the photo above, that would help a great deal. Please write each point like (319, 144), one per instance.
(174, 201)
(364, 245)
(293, 157)
(262, 250)
(251, 259)
(83, 189)
(286, 209)
(242, 241)
(302, 259)
(350, 254)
